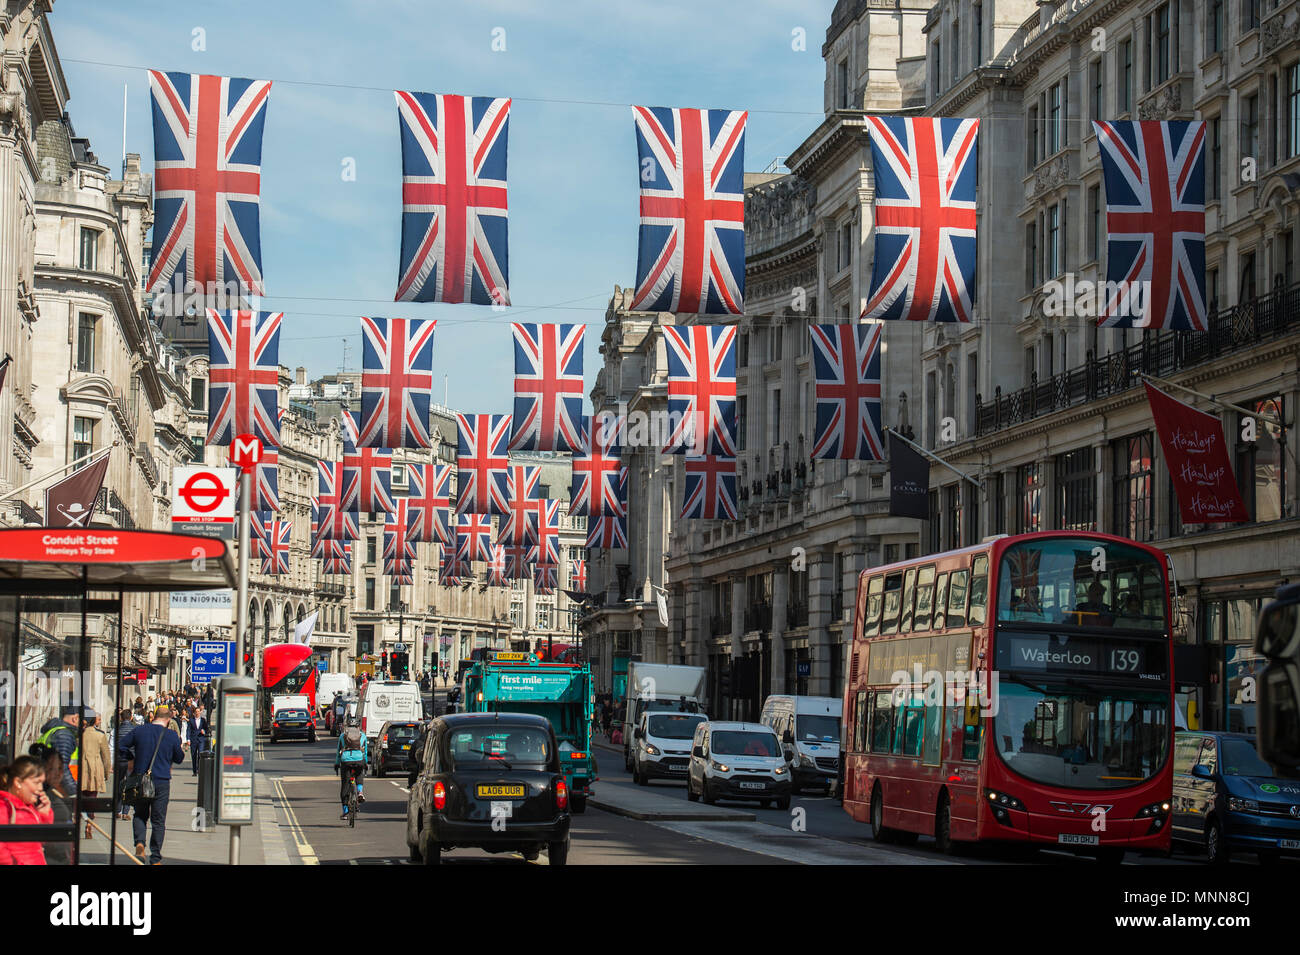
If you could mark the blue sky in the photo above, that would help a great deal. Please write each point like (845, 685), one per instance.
(330, 247)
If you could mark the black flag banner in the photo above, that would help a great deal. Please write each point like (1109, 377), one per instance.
(909, 481)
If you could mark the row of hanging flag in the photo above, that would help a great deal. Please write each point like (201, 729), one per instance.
(691, 250)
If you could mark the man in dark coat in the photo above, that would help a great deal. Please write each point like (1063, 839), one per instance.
(140, 748)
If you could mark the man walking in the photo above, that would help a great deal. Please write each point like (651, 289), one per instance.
(197, 732)
(154, 747)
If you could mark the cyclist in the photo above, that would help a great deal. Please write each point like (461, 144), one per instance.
(350, 758)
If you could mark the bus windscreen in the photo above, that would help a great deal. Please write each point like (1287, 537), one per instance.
(1082, 583)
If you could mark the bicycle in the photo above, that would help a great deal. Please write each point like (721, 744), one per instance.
(352, 797)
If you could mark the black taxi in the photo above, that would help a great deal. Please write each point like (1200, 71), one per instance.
(489, 781)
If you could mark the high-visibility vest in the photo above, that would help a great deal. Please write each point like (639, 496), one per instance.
(75, 762)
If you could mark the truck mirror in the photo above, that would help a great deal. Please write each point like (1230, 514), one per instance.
(789, 754)
(787, 737)
(697, 751)
(638, 733)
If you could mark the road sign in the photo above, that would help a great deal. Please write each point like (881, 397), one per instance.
(322, 665)
(202, 608)
(203, 501)
(211, 658)
(246, 451)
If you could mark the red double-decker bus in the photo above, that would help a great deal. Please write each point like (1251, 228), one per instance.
(288, 669)
(1019, 690)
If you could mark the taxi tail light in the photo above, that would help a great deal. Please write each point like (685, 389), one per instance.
(439, 796)
(561, 793)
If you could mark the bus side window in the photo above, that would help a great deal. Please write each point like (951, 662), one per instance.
(933, 751)
(882, 722)
(979, 589)
(875, 590)
(861, 717)
(913, 725)
(957, 598)
(893, 603)
(940, 602)
(924, 598)
(909, 590)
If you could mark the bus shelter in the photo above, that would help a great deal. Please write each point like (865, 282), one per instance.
(62, 593)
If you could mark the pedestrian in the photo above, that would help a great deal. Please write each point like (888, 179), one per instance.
(23, 802)
(125, 725)
(153, 749)
(96, 761)
(60, 733)
(197, 732)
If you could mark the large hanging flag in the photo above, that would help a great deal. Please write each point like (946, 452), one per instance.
(368, 481)
(454, 212)
(578, 575)
(548, 388)
(481, 464)
(846, 360)
(350, 423)
(547, 548)
(277, 539)
(1199, 465)
(691, 253)
(473, 537)
(397, 568)
(909, 481)
(336, 521)
(545, 579)
(701, 389)
(516, 560)
(243, 376)
(598, 474)
(607, 533)
(451, 573)
(338, 560)
(524, 489)
(496, 570)
(396, 546)
(709, 492)
(428, 504)
(1155, 224)
(207, 181)
(266, 480)
(258, 537)
(924, 263)
(396, 382)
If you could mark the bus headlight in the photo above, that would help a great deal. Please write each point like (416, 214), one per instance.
(1000, 800)
(1157, 812)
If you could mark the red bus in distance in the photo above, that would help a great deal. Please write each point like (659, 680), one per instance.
(1019, 690)
(288, 669)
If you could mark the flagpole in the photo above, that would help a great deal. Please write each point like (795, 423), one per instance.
(241, 609)
(931, 454)
(84, 459)
(1162, 383)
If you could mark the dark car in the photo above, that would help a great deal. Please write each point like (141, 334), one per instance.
(1226, 799)
(489, 781)
(392, 747)
(293, 724)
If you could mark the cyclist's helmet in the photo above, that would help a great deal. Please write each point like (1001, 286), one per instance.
(352, 721)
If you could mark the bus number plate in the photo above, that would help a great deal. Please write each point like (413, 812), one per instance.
(499, 792)
(1077, 839)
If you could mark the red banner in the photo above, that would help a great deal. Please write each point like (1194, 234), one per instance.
(1197, 455)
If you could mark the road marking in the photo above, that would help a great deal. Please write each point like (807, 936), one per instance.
(304, 848)
(401, 787)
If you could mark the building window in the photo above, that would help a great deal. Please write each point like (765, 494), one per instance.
(1032, 133)
(1132, 478)
(997, 496)
(1292, 118)
(1249, 126)
(1249, 15)
(933, 528)
(742, 415)
(1212, 291)
(198, 393)
(1215, 165)
(370, 549)
(86, 341)
(952, 506)
(842, 84)
(1261, 466)
(89, 249)
(1031, 256)
(931, 409)
(1246, 285)
(1097, 87)
(936, 70)
(370, 593)
(1055, 118)
(1124, 79)
(83, 437)
(970, 514)
(977, 36)
(1076, 490)
(846, 246)
(742, 350)
(1053, 239)
(955, 45)
(1029, 492)
(774, 428)
(1285, 242)
(1094, 223)
(1214, 28)
(399, 475)
(1159, 51)
(972, 390)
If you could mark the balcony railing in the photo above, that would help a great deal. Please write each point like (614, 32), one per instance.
(1236, 329)
(720, 624)
(109, 503)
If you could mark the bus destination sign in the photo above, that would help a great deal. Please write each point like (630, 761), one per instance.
(1061, 654)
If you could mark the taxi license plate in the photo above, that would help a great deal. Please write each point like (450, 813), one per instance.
(1288, 843)
(1077, 839)
(753, 785)
(499, 792)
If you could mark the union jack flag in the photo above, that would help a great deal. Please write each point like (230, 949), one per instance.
(701, 389)
(548, 388)
(709, 492)
(846, 359)
(429, 504)
(402, 571)
(454, 211)
(451, 573)
(598, 475)
(396, 381)
(368, 481)
(496, 572)
(545, 579)
(521, 526)
(326, 549)
(516, 560)
(1155, 224)
(610, 532)
(547, 548)
(339, 558)
(336, 521)
(318, 544)
(473, 537)
(351, 428)
(482, 467)
(396, 545)
(691, 253)
(207, 180)
(266, 480)
(578, 575)
(924, 264)
(277, 537)
(243, 376)
(258, 541)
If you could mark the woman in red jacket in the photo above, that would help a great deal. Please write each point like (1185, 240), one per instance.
(23, 802)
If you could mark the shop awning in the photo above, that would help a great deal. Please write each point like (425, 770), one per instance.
(107, 559)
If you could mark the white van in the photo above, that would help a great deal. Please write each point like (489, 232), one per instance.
(384, 700)
(290, 701)
(331, 683)
(661, 745)
(738, 761)
(810, 724)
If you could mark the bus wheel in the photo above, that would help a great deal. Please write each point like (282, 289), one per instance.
(943, 828)
(878, 830)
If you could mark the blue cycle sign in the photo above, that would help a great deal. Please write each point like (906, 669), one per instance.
(211, 658)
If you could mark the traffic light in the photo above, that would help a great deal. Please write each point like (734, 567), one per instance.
(383, 659)
(248, 664)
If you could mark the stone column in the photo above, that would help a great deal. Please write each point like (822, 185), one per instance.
(821, 566)
(780, 603)
(1104, 504)
(737, 613)
(697, 624)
